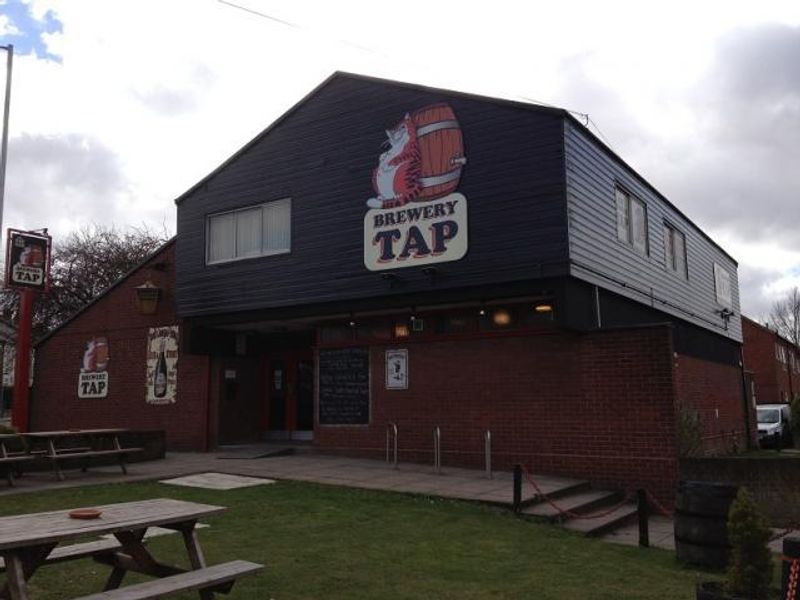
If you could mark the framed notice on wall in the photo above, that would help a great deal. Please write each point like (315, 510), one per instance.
(397, 369)
(162, 365)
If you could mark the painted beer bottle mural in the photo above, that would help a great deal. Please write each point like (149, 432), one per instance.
(162, 365)
(160, 379)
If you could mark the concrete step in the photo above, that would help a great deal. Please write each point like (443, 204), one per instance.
(599, 526)
(552, 487)
(574, 502)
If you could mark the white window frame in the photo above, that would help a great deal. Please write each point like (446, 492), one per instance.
(629, 236)
(235, 212)
(670, 257)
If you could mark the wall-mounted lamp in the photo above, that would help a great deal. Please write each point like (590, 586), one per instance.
(543, 308)
(147, 296)
(501, 317)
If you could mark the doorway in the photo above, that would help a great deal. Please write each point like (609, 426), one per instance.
(290, 397)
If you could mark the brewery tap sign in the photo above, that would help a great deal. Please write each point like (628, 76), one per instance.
(162, 365)
(27, 260)
(93, 378)
(416, 217)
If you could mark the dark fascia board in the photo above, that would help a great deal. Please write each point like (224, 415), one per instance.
(107, 291)
(551, 110)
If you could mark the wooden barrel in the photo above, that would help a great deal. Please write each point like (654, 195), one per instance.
(701, 522)
(441, 150)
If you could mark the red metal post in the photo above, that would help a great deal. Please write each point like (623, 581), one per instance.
(22, 361)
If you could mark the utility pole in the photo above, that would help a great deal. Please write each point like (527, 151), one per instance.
(4, 149)
(7, 106)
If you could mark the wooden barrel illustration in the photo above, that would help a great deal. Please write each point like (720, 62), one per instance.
(441, 149)
(701, 522)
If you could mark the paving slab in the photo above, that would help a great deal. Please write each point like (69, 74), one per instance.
(217, 481)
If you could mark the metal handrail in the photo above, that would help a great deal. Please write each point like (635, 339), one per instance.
(487, 449)
(437, 449)
(391, 432)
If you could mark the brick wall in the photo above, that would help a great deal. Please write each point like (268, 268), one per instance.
(54, 401)
(775, 382)
(715, 391)
(773, 482)
(597, 406)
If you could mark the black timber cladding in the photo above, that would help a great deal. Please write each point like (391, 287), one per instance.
(322, 156)
(598, 257)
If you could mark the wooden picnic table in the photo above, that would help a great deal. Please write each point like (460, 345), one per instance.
(92, 443)
(27, 541)
(11, 460)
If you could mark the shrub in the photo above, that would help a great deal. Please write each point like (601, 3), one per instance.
(750, 565)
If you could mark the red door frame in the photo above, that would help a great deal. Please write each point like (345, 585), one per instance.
(290, 359)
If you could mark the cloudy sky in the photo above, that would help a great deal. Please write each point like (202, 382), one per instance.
(118, 107)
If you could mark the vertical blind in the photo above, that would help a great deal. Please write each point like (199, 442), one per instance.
(249, 232)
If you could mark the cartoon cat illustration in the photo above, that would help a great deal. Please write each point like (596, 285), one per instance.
(396, 178)
(90, 357)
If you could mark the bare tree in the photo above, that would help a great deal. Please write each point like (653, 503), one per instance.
(785, 316)
(84, 264)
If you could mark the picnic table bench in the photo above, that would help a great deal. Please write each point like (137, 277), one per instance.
(11, 460)
(28, 542)
(90, 444)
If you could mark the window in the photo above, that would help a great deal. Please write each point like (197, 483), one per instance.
(631, 221)
(722, 286)
(675, 251)
(249, 232)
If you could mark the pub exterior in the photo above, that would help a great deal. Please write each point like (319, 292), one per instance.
(386, 254)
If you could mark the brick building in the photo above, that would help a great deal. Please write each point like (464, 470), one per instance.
(115, 320)
(387, 254)
(772, 364)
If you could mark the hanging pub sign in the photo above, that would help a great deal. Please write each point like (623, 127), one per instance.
(162, 365)
(93, 378)
(416, 217)
(27, 260)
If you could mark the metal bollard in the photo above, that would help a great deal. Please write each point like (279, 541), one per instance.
(517, 488)
(437, 450)
(643, 510)
(391, 434)
(487, 450)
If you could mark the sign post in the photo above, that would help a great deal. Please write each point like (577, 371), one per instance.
(28, 271)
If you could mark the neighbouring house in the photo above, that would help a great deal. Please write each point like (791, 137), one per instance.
(772, 364)
(387, 254)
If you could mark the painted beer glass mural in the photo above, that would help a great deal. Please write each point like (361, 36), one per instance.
(162, 365)
(416, 216)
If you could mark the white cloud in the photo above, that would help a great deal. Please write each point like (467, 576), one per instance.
(157, 94)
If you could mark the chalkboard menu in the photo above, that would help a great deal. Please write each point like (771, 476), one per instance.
(344, 386)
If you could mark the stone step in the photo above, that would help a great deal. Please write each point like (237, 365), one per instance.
(599, 526)
(552, 487)
(575, 502)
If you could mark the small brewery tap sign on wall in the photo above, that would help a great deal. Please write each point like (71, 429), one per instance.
(162, 365)
(27, 260)
(416, 217)
(93, 379)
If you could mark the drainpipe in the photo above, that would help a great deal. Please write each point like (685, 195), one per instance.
(744, 400)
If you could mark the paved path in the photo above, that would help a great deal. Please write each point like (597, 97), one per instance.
(462, 484)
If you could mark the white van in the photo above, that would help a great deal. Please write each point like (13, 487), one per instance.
(774, 425)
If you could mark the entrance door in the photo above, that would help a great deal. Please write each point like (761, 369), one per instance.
(290, 411)
(277, 426)
(304, 406)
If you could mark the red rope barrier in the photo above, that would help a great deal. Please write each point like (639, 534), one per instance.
(659, 507)
(794, 572)
(568, 513)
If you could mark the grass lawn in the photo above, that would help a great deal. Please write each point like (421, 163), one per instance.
(328, 542)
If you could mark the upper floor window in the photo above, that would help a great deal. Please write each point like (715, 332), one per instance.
(675, 251)
(249, 232)
(631, 221)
